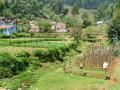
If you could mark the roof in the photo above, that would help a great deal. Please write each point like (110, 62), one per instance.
(4, 27)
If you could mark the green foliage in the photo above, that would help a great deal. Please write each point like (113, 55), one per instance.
(86, 23)
(105, 12)
(11, 66)
(75, 10)
(117, 4)
(114, 28)
(22, 34)
(89, 35)
(116, 52)
(69, 21)
(77, 36)
(44, 25)
(53, 54)
(23, 54)
(58, 6)
(91, 4)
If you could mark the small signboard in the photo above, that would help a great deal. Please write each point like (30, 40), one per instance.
(105, 65)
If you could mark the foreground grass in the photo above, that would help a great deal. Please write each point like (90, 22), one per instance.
(60, 81)
(28, 77)
(51, 77)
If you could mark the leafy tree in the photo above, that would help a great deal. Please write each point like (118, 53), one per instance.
(58, 6)
(86, 23)
(44, 25)
(69, 21)
(75, 9)
(65, 11)
(117, 4)
(56, 18)
(114, 28)
(105, 12)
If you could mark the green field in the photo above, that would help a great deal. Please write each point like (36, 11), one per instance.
(52, 77)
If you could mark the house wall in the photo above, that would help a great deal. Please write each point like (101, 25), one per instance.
(8, 30)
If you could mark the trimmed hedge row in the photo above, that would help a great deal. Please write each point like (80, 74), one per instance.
(54, 54)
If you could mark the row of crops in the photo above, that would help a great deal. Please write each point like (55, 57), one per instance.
(45, 48)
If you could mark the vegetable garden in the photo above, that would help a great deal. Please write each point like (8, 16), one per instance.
(45, 48)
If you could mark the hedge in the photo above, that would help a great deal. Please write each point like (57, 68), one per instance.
(54, 53)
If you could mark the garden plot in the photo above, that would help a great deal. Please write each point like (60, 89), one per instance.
(41, 44)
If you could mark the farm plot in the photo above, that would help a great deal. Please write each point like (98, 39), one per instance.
(29, 44)
(41, 44)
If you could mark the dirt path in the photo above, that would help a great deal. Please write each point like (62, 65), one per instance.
(2, 88)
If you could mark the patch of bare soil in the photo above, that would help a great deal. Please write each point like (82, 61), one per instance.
(2, 88)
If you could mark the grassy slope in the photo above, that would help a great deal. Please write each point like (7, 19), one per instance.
(51, 77)
(48, 78)
(57, 80)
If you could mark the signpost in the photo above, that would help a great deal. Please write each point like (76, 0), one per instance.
(105, 66)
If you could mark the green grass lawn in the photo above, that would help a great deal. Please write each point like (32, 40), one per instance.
(52, 77)
(58, 80)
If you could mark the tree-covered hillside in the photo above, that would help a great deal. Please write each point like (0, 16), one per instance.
(82, 3)
(88, 3)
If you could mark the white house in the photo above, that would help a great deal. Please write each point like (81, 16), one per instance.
(99, 22)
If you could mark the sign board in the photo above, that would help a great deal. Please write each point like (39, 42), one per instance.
(105, 65)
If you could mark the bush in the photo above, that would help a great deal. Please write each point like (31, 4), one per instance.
(86, 23)
(43, 55)
(54, 53)
(8, 36)
(23, 54)
(10, 66)
(1, 35)
(116, 52)
(22, 34)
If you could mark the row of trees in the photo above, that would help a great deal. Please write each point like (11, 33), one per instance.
(105, 12)
(30, 8)
(114, 26)
(82, 3)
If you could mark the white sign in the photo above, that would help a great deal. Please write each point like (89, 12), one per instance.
(105, 65)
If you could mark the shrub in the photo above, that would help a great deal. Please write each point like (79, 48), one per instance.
(86, 23)
(22, 34)
(43, 55)
(10, 66)
(54, 53)
(116, 52)
(1, 35)
(8, 36)
(23, 54)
